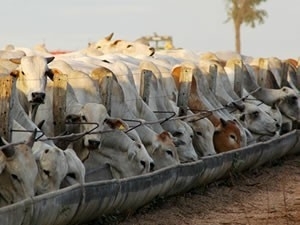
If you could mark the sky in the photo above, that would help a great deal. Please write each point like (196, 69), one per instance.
(197, 25)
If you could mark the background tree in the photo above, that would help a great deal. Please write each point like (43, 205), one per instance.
(244, 11)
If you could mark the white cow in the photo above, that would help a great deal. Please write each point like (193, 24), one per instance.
(286, 98)
(203, 134)
(31, 82)
(91, 117)
(107, 45)
(18, 171)
(125, 157)
(159, 102)
(85, 89)
(54, 164)
(126, 104)
(257, 121)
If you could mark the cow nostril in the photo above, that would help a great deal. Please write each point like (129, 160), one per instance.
(152, 166)
(94, 143)
(277, 125)
(143, 163)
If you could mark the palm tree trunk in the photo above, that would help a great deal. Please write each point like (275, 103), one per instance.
(237, 29)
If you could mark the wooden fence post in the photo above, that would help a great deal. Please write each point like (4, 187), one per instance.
(59, 103)
(263, 74)
(239, 70)
(106, 96)
(7, 89)
(212, 81)
(105, 76)
(146, 76)
(185, 81)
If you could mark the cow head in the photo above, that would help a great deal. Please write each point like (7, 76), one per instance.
(227, 136)
(52, 167)
(18, 170)
(32, 77)
(163, 151)
(203, 135)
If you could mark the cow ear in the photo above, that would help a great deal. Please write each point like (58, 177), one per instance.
(164, 135)
(116, 124)
(16, 60)
(223, 122)
(115, 42)
(15, 73)
(53, 72)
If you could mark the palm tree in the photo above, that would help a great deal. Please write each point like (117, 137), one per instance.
(244, 11)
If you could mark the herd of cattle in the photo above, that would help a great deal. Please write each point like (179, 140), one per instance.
(119, 108)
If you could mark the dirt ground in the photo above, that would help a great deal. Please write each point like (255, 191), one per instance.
(267, 195)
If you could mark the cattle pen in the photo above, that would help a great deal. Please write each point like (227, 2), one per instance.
(84, 203)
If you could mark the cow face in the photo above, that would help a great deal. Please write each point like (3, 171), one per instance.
(32, 77)
(163, 151)
(203, 136)
(52, 166)
(290, 106)
(257, 120)
(19, 171)
(227, 136)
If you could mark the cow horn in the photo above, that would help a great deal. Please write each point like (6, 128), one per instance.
(8, 151)
(40, 124)
(31, 139)
(50, 59)
(109, 37)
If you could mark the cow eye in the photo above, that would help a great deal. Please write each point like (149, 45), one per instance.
(232, 137)
(98, 47)
(199, 133)
(129, 46)
(15, 177)
(22, 72)
(169, 152)
(177, 134)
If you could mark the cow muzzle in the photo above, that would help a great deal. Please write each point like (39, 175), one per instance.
(93, 144)
(37, 97)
